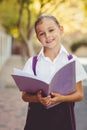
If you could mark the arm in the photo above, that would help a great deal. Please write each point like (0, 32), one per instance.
(76, 96)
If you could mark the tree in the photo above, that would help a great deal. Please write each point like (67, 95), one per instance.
(18, 17)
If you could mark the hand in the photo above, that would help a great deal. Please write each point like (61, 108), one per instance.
(46, 101)
(55, 98)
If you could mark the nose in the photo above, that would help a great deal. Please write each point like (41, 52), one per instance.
(47, 34)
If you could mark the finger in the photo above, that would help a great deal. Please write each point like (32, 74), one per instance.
(53, 94)
(39, 92)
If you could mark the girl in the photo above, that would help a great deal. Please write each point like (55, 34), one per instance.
(51, 58)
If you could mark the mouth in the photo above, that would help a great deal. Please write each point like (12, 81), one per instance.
(49, 41)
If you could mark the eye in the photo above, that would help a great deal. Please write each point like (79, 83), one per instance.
(41, 34)
(51, 30)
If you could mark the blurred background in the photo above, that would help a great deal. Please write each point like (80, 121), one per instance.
(18, 42)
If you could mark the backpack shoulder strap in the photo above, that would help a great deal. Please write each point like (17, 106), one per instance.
(70, 57)
(34, 64)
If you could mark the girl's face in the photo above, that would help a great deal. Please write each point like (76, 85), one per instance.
(48, 33)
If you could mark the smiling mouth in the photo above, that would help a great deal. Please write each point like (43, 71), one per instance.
(49, 41)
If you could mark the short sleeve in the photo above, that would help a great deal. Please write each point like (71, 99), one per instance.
(80, 71)
(28, 66)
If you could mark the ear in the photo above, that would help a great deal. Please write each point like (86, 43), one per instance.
(61, 29)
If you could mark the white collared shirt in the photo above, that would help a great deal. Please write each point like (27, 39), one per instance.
(45, 68)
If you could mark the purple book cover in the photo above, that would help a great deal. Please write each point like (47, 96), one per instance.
(64, 81)
(31, 85)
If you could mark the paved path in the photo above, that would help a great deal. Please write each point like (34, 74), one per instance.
(13, 109)
(81, 112)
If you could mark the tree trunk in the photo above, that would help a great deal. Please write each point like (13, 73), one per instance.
(30, 43)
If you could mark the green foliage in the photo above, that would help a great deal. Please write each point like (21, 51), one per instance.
(9, 23)
(85, 8)
(18, 16)
(71, 14)
(1, 1)
(79, 43)
(8, 14)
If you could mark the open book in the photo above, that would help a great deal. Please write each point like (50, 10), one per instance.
(63, 81)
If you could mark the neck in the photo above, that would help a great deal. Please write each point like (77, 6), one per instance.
(51, 53)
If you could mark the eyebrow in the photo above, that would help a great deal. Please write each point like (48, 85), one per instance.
(51, 27)
(38, 33)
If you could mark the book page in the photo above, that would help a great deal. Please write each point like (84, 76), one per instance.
(23, 73)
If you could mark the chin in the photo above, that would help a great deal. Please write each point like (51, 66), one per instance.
(51, 46)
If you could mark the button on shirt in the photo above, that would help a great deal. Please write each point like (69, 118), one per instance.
(45, 68)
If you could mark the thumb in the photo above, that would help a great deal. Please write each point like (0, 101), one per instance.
(53, 94)
(39, 94)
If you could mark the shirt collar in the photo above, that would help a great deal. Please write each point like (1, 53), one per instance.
(62, 50)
